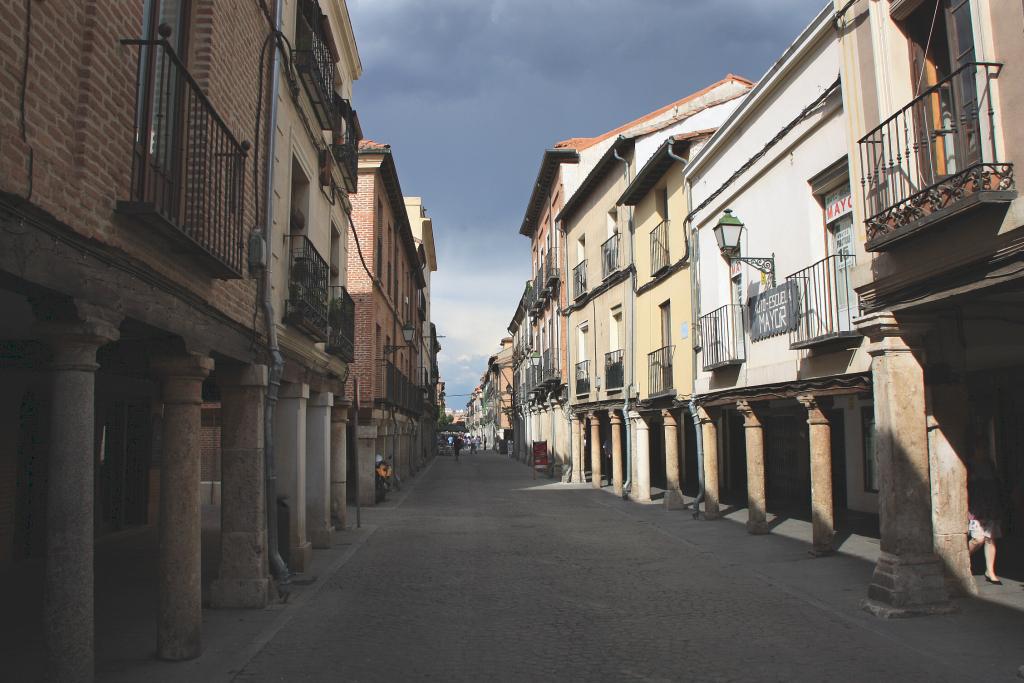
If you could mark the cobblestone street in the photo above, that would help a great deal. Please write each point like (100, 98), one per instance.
(477, 572)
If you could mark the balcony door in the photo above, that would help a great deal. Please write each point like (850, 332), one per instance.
(839, 214)
(941, 39)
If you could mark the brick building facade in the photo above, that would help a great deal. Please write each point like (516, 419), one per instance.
(138, 233)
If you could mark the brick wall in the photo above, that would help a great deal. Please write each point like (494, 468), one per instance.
(79, 112)
(374, 303)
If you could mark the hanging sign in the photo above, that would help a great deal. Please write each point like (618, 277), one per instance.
(774, 311)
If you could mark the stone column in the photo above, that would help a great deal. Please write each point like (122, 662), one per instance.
(68, 584)
(908, 577)
(179, 584)
(595, 450)
(243, 578)
(367, 451)
(948, 413)
(574, 448)
(674, 493)
(290, 449)
(339, 464)
(822, 509)
(318, 469)
(709, 429)
(757, 519)
(642, 458)
(617, 478)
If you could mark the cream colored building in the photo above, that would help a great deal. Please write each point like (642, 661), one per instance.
(933, 93)
(610, 436)
(783, 377)
(428, 376)
(314, 147)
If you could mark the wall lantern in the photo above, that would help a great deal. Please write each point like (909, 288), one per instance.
(727, 233)
(408, 331)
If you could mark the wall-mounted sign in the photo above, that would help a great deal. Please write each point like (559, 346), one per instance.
(774, 311)
(838, 204)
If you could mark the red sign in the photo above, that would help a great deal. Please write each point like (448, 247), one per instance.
(540, 454)
(838, 205)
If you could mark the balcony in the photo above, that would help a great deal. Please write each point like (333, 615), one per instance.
(659, 371)
(550, 372)
(306, 307)
(314, 62)
(579, 280)
(826, 302)
(583, 378)
(659, 248)
(610, 256)
(421, 306)
(934, 158)
(722, 337)
(345, 136)
(188, 170)
(613, 374)
(341, 319)
(551, 272)
(401, 393)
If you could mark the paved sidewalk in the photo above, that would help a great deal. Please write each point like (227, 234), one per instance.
(482, 573)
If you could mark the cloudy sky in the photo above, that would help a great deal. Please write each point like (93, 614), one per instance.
(469, 93)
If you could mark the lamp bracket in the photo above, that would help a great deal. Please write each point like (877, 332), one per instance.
(765, 264)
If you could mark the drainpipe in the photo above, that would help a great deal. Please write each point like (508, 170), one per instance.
(277, 564)
(693, 357)
(630, 325)
(570, 377)
(695, 306)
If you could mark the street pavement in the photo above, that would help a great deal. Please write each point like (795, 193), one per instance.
(478, 572)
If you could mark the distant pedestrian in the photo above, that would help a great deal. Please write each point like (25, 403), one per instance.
(984, 509)
(457, 447)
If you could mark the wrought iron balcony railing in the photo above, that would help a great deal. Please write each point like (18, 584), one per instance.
(610, 256)
(934, 157)
(400, 392)
(188, 170)
(346, 134)
(722, 337)
(551, 272)
(659, 248)
(314, 61)
(583, 378)
(826, 302)
(307, 306)
(341, 318)
(579, 280)
(613, 370)
(659, 371)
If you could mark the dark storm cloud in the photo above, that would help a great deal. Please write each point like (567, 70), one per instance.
(470, 92)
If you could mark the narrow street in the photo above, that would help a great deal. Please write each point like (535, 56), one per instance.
(476, 572)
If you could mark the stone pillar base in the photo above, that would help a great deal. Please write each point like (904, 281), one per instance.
(321, 538)
(300, 557)
(757, 527)
(952, 550)
(673, 500)
(907, 586)
(240, 593)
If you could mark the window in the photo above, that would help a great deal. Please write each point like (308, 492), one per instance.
(613, 221)
(379, 230)
(335, 255)
(582, 338)
(665, 310)
(867, 421)
(661, 203)
(614, 325)
(581, 249)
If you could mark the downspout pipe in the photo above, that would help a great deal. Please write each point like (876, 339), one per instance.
(698, 432)
(278, 568)
(570, 369)
(630, 325)
(695, 305)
